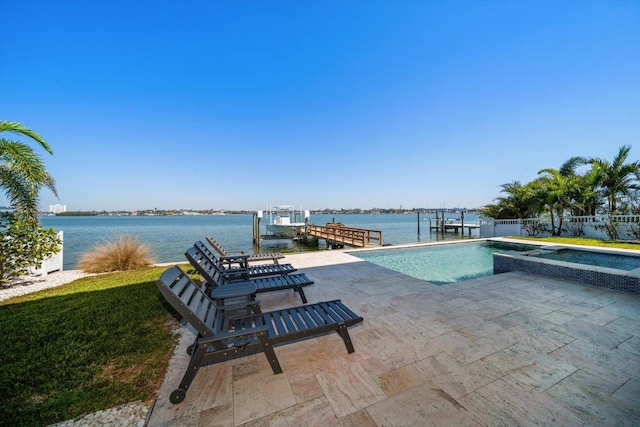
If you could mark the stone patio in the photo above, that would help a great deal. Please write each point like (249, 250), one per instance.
(509, 349)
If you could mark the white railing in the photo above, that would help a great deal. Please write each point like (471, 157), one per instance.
(627, 226)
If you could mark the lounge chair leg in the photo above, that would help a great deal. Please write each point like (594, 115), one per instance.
(256, 308)
(192, 369)
(344, 333)
(299, 290)
(271, 355)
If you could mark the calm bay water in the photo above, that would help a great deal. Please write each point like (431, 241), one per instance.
(170, 236)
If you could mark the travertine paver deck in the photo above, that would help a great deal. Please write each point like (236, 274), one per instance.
(510, 349)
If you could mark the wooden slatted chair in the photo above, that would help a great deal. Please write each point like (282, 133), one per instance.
(244, 269)
(221, 334)
(226, 257)
(216, 275)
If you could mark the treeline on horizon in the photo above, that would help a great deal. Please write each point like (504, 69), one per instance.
(165, 212)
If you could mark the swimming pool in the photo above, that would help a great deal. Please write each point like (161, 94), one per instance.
(443, 263)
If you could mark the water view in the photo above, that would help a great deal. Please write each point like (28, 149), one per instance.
(170, 236)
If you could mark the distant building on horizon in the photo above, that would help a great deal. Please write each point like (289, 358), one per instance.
(56, 209)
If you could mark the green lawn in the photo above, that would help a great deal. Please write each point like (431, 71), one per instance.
(93, 344)
(583, 241)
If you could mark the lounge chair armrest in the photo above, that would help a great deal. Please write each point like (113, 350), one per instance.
(235, 258)
(256, 330)
(241, 260)
(235, 274)
(240, 304)
(240, 310)
(234, 290)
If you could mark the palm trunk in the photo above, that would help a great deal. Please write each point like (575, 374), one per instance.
(560, 219)
(553, 222)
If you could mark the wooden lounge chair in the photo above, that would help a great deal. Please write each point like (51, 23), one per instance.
(215, 276)
(247, 271)
(226, 257)
(222, 335)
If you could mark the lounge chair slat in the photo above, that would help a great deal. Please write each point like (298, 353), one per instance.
(286, 316)
(280, 328)
(329, 310)
(269, 322)
(210, 316)
(301, 325)
(344, 309)
(308, 319)
(180, 285)
(322, 313)
(311, 310)
(195, 300)
(202, 308)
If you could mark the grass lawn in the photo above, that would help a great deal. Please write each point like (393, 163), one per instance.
(583, 241)
(92, 344)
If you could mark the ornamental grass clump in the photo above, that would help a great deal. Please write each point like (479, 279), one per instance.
(125, 253)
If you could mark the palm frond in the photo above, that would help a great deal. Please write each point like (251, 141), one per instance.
(20, 129)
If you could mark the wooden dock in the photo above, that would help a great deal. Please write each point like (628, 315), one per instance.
(340, 234)
(443, 226)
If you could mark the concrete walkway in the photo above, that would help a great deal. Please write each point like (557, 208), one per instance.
(510, 349)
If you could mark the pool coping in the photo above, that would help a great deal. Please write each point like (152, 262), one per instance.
(446, 242)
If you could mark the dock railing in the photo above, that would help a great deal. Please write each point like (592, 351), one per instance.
(352, 236)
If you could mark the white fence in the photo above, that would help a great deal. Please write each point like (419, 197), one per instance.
(626, 226)
(54, 262)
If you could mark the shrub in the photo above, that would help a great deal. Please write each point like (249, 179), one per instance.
(576, 228)
(610, 226)
(533, 227)
(23, 245)
(125, 253)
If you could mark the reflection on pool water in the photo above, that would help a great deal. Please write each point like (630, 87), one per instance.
(608, 260)
(445, 263)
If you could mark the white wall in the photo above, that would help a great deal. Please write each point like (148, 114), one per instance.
(54, 262)
(592, 226)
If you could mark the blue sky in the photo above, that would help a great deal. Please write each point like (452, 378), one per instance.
(318, 104)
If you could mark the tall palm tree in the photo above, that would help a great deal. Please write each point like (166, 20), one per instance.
(22, 172)
(581, 188)
(558, 196)
(616, 179)
(565, 190)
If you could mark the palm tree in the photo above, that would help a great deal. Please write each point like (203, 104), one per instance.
(521, 202)
(581, 188)
(564, 190)
(557, 194)
(22, 172)
(616, 179)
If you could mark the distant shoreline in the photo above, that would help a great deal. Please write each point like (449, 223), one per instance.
(175, 212)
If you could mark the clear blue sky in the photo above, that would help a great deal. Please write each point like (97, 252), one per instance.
(317, 104)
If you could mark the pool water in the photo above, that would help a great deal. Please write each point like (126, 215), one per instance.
(620, 262)
(442, 264)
